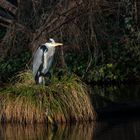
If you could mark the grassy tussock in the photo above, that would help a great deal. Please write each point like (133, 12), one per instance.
(64, 100)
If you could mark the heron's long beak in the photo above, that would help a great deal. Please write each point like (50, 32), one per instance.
(58, 44)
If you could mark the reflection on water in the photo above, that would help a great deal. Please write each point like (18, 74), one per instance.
(41, 132)
(119, 129)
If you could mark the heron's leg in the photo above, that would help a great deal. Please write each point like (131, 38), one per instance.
(37, 77)
(43, 80)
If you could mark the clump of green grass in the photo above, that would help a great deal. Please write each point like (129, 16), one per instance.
(63, 100)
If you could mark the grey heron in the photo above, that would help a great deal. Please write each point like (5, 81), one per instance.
(43, 59)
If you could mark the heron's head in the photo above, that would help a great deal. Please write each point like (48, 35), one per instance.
(52, 43)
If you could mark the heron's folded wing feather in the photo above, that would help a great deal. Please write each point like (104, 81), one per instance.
(37, 60)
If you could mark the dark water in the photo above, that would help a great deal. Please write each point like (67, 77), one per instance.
(118, 127)
(103, 96)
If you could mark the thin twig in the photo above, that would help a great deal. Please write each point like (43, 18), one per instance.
(8, 6)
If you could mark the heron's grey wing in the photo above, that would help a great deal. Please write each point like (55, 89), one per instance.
(37, 60)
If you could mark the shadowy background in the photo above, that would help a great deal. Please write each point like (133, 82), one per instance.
(101, 37)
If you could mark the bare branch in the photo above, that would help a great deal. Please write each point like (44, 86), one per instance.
(4, 25)
(18, 25)
(6, 20)
(8, 6)
(58, 21)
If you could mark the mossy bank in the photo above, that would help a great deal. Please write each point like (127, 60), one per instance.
(63, 100)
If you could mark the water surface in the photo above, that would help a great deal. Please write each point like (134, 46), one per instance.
(116, 129)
